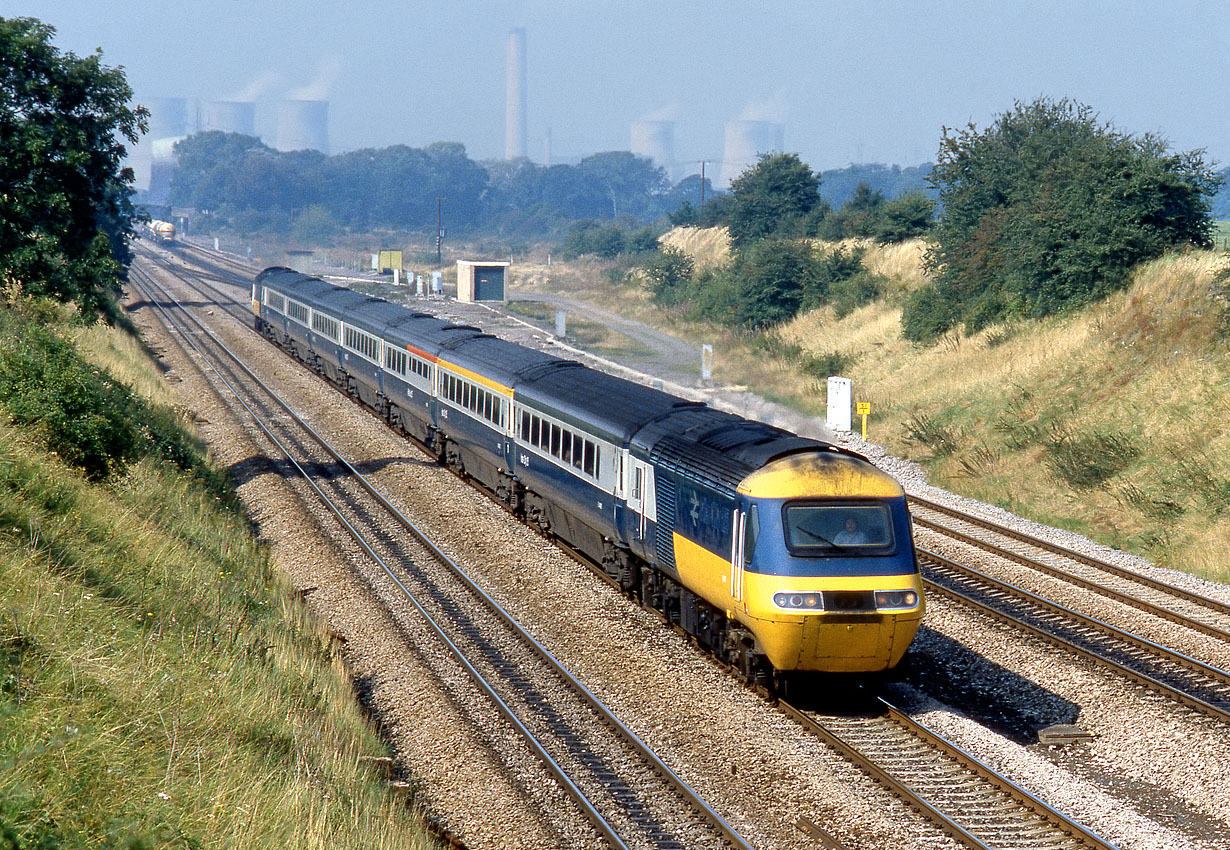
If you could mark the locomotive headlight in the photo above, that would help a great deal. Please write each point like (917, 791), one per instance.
(798, 601)
(896, 599)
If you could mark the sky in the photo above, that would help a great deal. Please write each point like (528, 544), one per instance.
(851, 81)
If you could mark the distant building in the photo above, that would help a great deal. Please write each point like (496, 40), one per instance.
(745, 142)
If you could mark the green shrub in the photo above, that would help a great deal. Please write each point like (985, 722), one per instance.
(850, 293)
(86, 417)
(928, 314)
(906, 217)
(825, 365)
(1049, 209)
(667, 274)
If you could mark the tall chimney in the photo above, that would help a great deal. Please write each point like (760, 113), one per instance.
(514, 118)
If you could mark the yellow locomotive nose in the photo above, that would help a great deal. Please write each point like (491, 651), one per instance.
(830, 581)
(862, 623)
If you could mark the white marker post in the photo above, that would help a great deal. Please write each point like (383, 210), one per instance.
(838, 417)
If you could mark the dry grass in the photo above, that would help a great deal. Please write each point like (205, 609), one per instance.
(126, 359)
(900, 263)
(707, 246)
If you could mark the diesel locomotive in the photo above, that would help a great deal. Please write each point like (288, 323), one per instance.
(775, 552)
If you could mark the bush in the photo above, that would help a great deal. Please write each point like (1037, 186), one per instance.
(848, 294)
(927, 315)
(832, 272)
(771, 278)
(715, 294)
(589, 236)
(667, 274)
(82, 414)
(825, 365)
(903, 218)
(858, 217)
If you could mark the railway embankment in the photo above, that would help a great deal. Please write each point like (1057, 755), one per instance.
(160, 685)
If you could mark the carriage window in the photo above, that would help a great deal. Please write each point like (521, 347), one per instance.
(555, 435)
(828, 529)
(591, 454)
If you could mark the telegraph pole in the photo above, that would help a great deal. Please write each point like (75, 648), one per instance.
(702, 182)
(439, 229)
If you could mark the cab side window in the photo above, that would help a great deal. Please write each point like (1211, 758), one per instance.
(751, 531)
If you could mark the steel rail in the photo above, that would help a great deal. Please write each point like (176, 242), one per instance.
(542, 652)
(1071, 554)
(1080, 620)
(933, 809)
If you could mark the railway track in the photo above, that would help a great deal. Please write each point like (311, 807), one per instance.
(1178, 605)
(627, 794)
(1184, 679)
(974, 805)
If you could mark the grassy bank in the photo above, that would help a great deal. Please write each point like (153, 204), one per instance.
(1111, 421)
(159, 686)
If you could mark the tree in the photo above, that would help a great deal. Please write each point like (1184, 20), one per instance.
(858, 217)
(772, 279)
(65, 200)
(632, 184)
(1049, 208)
(204, 168)
(771, 198)
(904, 218)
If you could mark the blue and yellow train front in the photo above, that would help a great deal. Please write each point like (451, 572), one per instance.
(822, 566)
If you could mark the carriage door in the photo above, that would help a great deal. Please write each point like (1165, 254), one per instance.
(636, 487)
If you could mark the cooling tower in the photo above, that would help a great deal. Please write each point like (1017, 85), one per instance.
(168, 117)
(303, 125)
(745, 141)
(162, 168)
(168, 123)
(231, 116)
(656, 140)
(514, 116)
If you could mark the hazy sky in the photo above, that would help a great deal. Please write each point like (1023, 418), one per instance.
(853, 82)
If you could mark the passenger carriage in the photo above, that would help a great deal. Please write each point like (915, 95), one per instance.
(777, 552)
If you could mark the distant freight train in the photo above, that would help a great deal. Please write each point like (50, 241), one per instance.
(775, 552)
(163, 231)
